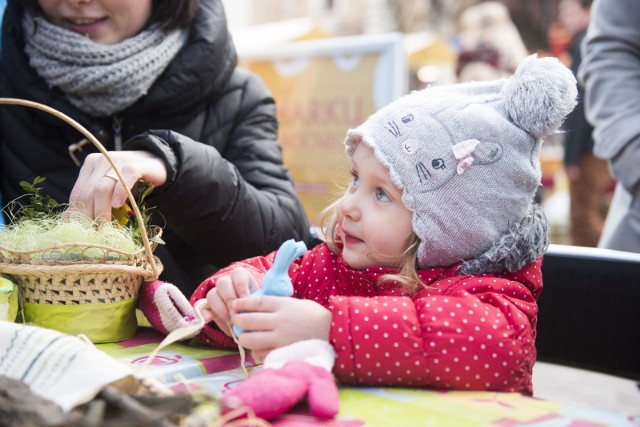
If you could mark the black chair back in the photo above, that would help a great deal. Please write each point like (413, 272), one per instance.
(589, 314)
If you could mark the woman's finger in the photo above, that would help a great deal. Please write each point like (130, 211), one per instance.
(98, 187)
(81, 196)
(102, 195)
(131, 175)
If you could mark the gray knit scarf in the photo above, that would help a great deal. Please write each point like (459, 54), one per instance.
(99, 79)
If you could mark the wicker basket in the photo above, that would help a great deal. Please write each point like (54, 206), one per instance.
(81, 288)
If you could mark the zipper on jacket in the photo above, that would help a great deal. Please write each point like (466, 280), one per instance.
(117, 133)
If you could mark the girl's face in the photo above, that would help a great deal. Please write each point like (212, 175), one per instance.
(373, 223)
(103, 21)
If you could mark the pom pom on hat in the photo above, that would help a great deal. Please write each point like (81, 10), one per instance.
(540, 95)
(466, 155)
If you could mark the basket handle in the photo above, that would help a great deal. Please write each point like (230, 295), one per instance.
(94, 141)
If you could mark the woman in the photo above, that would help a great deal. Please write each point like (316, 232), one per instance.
(162, 77)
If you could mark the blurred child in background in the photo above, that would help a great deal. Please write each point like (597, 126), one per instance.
(490, 44)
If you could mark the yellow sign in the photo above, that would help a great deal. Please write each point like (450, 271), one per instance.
(322, 88)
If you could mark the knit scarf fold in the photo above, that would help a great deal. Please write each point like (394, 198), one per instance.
(99, 79)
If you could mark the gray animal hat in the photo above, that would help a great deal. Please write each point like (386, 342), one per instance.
(466, 156)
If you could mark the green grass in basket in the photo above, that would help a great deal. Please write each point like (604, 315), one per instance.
(42, 232)
(41, 224)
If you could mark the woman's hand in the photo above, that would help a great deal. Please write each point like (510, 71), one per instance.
(95, 192)
(238, 284)
(273, 322)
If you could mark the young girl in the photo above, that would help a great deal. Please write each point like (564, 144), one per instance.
(431, 268)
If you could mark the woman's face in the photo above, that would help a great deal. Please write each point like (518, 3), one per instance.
(103, 21)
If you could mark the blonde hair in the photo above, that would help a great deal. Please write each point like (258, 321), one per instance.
(407, 263)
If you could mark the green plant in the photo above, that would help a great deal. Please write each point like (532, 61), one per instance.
(143, 190)
(40, 206)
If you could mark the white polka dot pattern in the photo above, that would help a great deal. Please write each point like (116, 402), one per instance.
(459, 332)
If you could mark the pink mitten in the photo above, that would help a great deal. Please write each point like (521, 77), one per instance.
(166, 308)
(275, 390)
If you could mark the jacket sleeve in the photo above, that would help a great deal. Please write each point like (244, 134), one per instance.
(610, 71)
(466, 332)
(229, 199)
(257, 266)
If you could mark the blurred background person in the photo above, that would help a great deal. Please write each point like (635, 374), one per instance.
(610, 72)
(589, 177)
(490, 45)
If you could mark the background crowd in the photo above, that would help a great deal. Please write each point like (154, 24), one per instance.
(488, 39)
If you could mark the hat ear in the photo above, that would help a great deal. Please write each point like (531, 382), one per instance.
(539, 95)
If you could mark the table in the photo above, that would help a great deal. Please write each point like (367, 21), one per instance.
(183, 366)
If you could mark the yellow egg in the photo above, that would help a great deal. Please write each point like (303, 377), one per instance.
(122, 214)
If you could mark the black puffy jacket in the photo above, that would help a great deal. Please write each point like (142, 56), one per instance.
(228, 194)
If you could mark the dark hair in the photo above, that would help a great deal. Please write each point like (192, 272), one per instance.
(168, 14)
(172, 14)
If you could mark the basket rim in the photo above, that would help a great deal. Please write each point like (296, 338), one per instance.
(151, 260)
(79, 268)
(157, 233)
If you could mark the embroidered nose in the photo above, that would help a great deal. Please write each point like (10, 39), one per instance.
(462, 152)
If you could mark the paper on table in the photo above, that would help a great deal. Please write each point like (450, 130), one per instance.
(58, 367)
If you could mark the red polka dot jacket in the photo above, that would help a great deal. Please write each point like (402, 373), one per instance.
(459, 332)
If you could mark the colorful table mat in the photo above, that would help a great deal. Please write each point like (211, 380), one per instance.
(185, 366)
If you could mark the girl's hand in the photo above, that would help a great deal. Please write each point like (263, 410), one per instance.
(238, 284)
(273, 322)
(95, 192)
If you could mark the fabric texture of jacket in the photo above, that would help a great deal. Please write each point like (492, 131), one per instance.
(459, 332)
(228, 194)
